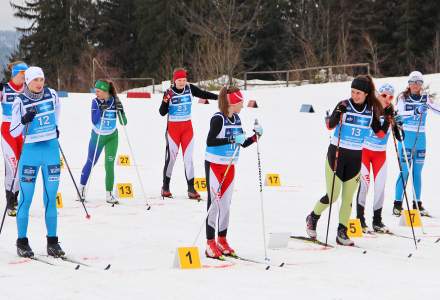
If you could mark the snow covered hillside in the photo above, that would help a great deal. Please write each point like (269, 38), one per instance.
(140, 245)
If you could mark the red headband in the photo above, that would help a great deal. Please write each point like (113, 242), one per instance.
(178, 74)
(235, 97)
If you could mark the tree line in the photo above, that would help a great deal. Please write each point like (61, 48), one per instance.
(148, 38)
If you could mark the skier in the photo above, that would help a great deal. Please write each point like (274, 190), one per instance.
(412, 105)
(225, 135)
(177, 103)
(35, 114)
(374, 153)
(11, 146)
(357, 115)
(106, 108)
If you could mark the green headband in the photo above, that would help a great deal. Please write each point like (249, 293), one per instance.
(102, 85)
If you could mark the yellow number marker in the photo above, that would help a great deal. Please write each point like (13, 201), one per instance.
(272, 180)
(187, 258)
(125, 190)
(415, 217)
(124, 160)
(59, 200)
(354, 228)
(200, 184)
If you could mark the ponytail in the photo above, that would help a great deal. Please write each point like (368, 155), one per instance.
(223, 103)
(112, 89)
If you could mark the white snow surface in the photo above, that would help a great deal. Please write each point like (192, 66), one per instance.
(140, 245)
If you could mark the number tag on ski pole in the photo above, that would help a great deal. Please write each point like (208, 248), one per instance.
(200, 184)
(124, 160)
(272, 180)
(354, 228)
(415, 218)
(59, 200)
(125, 190)
(187, 258)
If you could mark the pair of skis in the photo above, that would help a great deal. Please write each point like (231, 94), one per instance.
(75, 262)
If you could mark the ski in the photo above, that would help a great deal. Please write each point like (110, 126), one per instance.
(310, 240)
(41, 260)
(256, 261)
(80, 263)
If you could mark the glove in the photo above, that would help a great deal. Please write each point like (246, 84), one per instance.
(58, 132)
(103, 105)
(1, 86)
(119, 106)
(258, 130)
(398, 119)
(28, 117)
(239, 139)
(167, 96)
(421, 109)
(341, 108)
(389, 111)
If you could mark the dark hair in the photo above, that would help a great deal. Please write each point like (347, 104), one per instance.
(223, 103)
(371, 98)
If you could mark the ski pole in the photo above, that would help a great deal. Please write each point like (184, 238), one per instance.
(135, 164)
(15, 175)
(261, 192)
(217, 194)
(403, 181)
(86, 188)
(410, 167)
(335, 165)
(73, 180)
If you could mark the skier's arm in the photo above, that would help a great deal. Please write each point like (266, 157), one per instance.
(214, 130)
(381, 129)
(95, 112)
(163, 109)
(57, 106)
(196, 92)
(435, 107)
(335, 117)
(17, 113)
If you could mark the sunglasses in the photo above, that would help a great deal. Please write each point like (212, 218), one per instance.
(384, 95)
(418, 82)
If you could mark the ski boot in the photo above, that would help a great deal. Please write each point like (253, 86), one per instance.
(16, 199)
(311, 222)
(223, 246)
(397, 208)
(423, 211)
(11, 209)
(378, 226)
(53, 247)
(165, 193)
(360, 215)
(212, 251)
(110, 198)
(342, 238)
(82, 193)
(23, 248)
(194, 195)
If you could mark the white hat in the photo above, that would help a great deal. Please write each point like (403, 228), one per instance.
(31, 73)
(415, 76)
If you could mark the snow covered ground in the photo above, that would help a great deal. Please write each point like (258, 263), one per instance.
(140, 245)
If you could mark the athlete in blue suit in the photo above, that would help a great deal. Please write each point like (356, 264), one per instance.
(35, 115)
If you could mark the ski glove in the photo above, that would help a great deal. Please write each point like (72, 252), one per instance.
(258, 130)
(119, 106)
(103, 105)
(398, 119)
(421, 109)
(28, 117)
(239, 139)
(58, 132)
(167, 96)
(341, 108)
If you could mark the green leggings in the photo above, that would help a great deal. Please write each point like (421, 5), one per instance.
(110, 143)
(349, 187)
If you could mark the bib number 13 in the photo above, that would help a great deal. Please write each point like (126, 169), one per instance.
(356, 132)
(44, 120)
